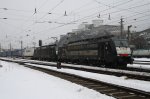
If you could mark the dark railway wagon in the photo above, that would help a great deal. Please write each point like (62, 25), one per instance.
(47, 52)
(16, 53)
(13, 53)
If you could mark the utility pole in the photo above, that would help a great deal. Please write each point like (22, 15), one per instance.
(10, 50)
(56, 42)
(40, 45)
(58, 58)
(129, 32)
(121, 27)
(0, 47)
(34, 44)
(21, 48)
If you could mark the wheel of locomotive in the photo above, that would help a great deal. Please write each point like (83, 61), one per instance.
(111, 65)
(114, 65)
(95, 63)
(108, 65)
(122, 65)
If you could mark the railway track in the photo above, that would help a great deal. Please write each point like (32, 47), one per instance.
(116, 91)
(137, 69)
(142, 62)
(130, 74)
(128, 68)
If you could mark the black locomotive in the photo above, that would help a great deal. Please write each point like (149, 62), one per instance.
(106, 50)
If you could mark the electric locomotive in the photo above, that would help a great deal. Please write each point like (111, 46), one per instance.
(104, 50)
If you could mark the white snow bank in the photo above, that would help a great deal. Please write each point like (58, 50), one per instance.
(147, 67)
(122, 81)
(142, 59)
(18, 82)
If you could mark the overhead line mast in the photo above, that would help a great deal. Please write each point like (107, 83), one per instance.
(121, 27)
(0, 47)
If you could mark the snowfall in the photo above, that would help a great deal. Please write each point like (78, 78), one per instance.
(18, 82)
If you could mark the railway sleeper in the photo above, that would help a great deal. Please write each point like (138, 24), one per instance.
(109, 90)
(122, 94)
(84, 83)
(88, 84)
(100, 88)
(128, 97)
(95, 86)
(133, 97)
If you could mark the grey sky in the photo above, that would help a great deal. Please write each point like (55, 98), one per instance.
(26, 25)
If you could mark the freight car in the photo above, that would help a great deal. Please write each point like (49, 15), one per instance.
(104, 50)
(16, 53)
(47, 52)
(5, 54)
(141, 53)
(28, 53)
(12, 53)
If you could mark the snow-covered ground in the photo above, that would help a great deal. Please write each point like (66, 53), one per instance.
(122, 81)
(140, 66)
(18, 82)
(142, 59)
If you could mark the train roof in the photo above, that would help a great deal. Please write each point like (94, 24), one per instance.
(93, 39)
(46, 46)
(84, 35)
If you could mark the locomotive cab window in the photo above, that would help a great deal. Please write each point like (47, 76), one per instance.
(121, 43)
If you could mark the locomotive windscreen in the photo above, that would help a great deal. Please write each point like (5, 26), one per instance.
(121, 43)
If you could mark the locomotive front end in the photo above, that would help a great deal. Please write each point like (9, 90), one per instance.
(124, 55)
